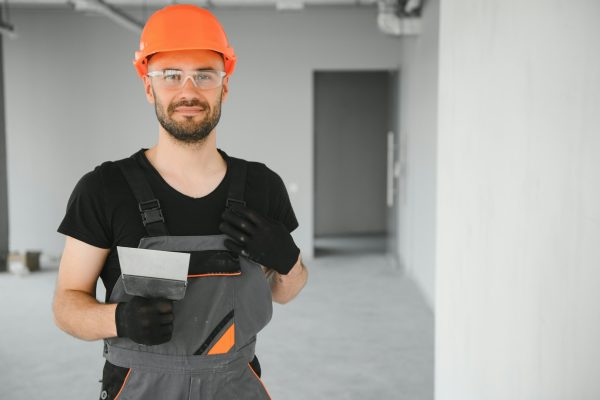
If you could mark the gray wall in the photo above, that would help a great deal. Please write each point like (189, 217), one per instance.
(351, 124)
(91, 107)
(518, 305)
(418, 142)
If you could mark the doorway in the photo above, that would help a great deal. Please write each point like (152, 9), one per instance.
(355, 114)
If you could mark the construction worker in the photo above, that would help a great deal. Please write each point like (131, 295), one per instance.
(232, 216)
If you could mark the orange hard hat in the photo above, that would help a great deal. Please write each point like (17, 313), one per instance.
(182, 27)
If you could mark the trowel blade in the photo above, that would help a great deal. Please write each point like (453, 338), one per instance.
(154, 273)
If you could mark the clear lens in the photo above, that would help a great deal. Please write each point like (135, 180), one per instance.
(175, 79)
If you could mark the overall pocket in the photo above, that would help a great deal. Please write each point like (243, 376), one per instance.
(250, 386)
(204, 316)
(241, 383)
(204, 319)
(215, 271)
(144, 384)
(114, 379)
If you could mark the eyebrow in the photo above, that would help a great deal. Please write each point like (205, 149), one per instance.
(197, 69)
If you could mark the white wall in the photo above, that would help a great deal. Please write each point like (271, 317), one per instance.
(74, 100)
(418, 137)
(518, 210)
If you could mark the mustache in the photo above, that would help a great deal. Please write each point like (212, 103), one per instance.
(191, 103)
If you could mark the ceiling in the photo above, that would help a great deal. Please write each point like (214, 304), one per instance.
(120, 10)
(278, 4)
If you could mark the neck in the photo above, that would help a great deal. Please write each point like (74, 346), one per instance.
(186, 160)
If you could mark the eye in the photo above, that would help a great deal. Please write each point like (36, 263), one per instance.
(205, 76)
(171, 75)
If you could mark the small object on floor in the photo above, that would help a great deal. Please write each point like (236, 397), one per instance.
(22, 264)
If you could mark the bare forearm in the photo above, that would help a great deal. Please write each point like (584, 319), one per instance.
(284, 288)
(81, 315)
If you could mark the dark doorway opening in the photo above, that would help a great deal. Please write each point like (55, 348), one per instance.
(353, 116)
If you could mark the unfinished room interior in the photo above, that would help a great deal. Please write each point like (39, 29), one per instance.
(350, 199)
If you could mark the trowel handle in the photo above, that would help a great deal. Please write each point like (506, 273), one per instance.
(151, 288)
(145, 321)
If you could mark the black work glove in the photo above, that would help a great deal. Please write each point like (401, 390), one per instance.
(145, 321)
(260, 238)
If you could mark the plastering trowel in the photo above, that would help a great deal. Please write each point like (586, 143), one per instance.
(154, 273)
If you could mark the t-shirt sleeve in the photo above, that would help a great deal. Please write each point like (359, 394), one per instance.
(85, 217)
(280, 205)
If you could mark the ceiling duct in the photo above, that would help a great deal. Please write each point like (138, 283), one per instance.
(6, 28)
(112, 12)
(399, 17)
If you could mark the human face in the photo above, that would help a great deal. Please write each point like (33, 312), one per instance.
(188, 114)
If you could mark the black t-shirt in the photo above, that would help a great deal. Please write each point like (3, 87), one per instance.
(102, 210)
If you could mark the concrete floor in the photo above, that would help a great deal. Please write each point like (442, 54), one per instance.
(359, 330)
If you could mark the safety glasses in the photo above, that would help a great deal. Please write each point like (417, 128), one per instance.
(175, 78)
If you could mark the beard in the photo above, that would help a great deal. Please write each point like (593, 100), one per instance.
(189, 131)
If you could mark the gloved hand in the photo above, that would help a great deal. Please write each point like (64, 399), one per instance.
(260, 238)
(145, 321)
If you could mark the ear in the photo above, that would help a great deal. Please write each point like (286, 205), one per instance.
(148, 90)
(225, 89)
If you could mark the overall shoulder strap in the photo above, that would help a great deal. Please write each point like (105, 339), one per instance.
(238, 181)
(148, 204)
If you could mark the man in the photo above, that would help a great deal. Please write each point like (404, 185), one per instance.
(232, 216)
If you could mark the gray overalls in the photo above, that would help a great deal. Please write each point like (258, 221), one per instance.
(227, 302)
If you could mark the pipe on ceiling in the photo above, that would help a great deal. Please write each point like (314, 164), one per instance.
(109, 11)
(6, 28)
(399, 17)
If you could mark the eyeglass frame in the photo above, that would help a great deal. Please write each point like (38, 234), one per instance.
(187, 74)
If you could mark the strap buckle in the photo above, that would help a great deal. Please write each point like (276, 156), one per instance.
(150, 211)
(227, 205)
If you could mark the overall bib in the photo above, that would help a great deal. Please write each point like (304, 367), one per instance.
(227, 302)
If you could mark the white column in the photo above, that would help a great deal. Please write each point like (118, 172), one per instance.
(518, 205)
